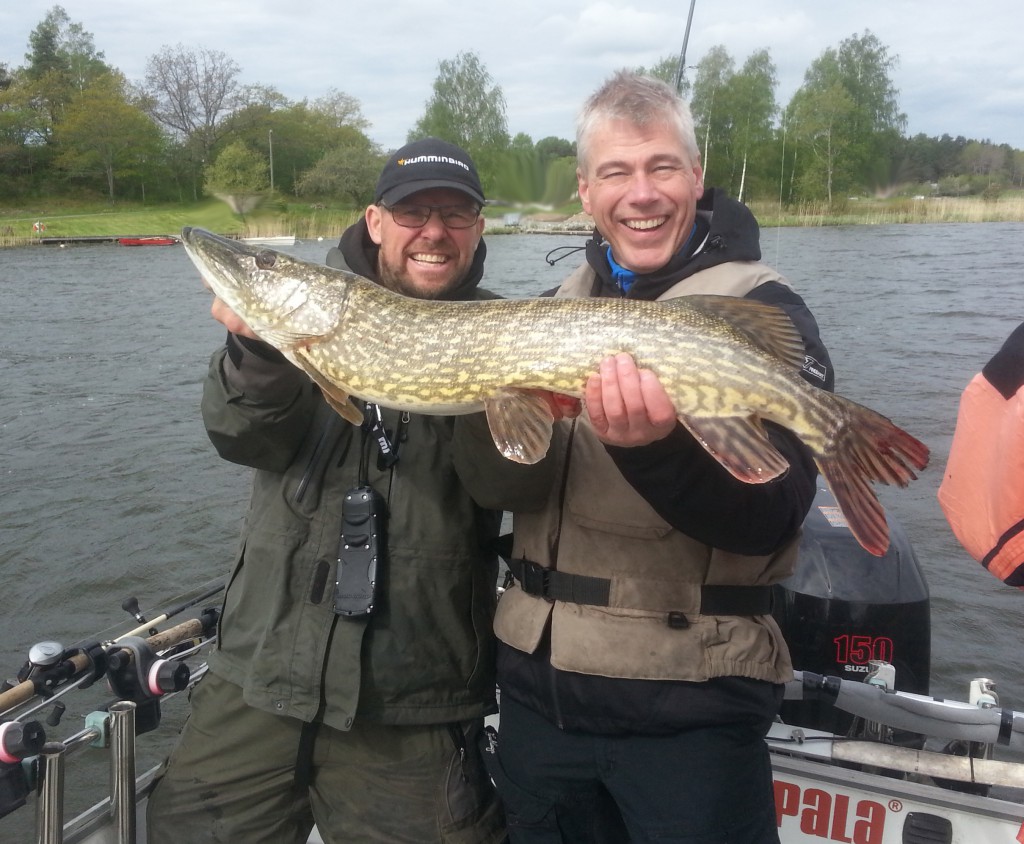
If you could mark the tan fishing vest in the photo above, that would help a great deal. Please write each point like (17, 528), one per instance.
(603, 528)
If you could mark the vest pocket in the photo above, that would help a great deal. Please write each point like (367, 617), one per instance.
(618, 527)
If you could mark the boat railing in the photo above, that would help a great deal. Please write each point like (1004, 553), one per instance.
(978, 723)
(51, 775)
(142, 673)
(958, 739)
(132, 665)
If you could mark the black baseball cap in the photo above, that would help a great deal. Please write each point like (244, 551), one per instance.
(424, 164)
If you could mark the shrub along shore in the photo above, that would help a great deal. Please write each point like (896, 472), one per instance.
(24, 226)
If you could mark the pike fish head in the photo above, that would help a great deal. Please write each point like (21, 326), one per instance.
(286, 301)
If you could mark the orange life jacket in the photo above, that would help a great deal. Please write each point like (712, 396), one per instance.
(982, 492)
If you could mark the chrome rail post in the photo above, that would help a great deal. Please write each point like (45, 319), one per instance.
(50, 808)
(122, 770)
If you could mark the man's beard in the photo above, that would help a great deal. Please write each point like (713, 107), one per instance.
(399, 283)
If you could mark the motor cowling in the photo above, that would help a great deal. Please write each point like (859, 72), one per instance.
(843, 607)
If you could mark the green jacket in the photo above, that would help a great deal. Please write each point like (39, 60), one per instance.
(426, 654)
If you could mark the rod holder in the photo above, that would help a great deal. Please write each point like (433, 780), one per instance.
(122, 770)
(50, 808)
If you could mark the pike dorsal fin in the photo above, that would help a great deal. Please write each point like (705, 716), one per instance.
(766, 326)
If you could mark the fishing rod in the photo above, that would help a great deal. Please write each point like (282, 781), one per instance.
(52, 671)
(681, 67)
(140, 672)
(132, 605)
(87, 665)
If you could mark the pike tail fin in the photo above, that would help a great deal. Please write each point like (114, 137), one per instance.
(869, 447)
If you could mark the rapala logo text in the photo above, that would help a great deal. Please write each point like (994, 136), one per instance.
(832, 816)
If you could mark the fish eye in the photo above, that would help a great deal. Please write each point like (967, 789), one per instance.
(266, 260)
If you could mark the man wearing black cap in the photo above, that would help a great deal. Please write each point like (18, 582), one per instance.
(359, 715)
(426, 187)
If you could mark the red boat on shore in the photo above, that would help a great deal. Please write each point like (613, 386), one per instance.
(147, 241)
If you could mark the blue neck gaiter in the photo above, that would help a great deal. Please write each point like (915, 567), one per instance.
(625, 278)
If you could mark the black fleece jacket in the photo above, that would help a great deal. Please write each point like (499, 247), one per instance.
(676, 476)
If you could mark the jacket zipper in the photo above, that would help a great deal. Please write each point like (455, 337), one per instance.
(315, 457)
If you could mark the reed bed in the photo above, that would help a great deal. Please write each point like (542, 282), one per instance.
(885, 212)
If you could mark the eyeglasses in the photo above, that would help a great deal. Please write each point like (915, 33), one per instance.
(453, 216)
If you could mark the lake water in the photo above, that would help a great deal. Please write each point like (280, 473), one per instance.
(109, 486)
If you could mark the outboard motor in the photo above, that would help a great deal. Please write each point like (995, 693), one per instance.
(843, 607)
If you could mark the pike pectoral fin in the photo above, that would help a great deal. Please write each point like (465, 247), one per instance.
(520, 425)
(740, 445)
(333, 395)
(345, 409)
(289, 341)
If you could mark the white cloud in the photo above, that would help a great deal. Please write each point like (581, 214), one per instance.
(958, 70)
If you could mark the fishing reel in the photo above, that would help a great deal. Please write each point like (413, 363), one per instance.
(18, 742)
(136, 673)
(50, 665)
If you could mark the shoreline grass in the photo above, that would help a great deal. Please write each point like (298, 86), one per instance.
(70, 220)
(73, 220)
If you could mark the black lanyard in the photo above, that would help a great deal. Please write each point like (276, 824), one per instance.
(373, 429)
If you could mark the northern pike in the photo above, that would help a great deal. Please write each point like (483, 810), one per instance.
(727, 363)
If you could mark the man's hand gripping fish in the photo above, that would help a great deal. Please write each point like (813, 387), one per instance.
(728, 365)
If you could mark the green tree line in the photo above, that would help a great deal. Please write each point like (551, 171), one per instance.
(73, 126)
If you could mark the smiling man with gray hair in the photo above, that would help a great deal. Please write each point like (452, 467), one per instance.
(638, 661)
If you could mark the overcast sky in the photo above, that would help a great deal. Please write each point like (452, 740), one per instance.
(959, 70)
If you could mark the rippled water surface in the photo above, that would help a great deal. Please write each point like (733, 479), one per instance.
(109, 487)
